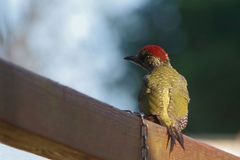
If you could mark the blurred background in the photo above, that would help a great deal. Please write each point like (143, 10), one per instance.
(81, 44)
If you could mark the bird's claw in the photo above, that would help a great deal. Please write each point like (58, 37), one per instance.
(139, 114)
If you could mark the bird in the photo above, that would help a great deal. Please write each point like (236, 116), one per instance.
(164, 96)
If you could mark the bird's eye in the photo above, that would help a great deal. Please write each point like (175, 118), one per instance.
(141, 57)
(147, 58)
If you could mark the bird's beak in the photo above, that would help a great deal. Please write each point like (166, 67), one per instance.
(132, 58)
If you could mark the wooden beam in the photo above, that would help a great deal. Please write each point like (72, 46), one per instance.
(22, 139)
(65, 117)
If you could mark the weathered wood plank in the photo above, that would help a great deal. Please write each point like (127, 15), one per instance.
(194, 150)
(22, 139)
(64, 116)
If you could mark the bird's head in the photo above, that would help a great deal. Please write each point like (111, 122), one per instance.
(150, 57)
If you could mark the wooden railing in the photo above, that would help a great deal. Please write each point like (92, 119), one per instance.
(54, 121)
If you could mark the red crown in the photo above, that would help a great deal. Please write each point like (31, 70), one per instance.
(156, 51)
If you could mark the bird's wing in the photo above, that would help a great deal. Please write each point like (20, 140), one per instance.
(178, 105)
(178, 111)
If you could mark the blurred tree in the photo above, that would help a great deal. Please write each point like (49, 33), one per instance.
(213, 33)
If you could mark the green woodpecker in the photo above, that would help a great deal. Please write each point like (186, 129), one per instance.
(164, 95)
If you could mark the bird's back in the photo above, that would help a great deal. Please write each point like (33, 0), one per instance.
(164, 93)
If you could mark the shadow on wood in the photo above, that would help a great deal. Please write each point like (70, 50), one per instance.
(33, 143)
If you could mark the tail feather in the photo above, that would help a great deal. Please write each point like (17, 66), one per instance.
(173, 135)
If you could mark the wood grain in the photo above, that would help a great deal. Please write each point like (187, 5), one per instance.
(64, 116)
(22, 139)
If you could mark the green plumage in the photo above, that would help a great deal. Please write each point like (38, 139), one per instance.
(164, 94)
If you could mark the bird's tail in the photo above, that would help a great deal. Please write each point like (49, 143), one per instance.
(173, 135)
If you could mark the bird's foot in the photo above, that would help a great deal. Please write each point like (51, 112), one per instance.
(133, 112)
(128, 111)
(139, 114)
